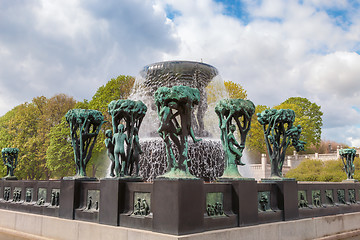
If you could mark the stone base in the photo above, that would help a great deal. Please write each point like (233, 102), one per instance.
(225, 179)
(56, 228)
(271, 180)
(350, 181)
(80, 178)
(9, 178)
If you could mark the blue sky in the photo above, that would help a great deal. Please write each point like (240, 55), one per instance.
(276, 49)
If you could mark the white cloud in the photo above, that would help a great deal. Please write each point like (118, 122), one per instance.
(287, 48)
(75, 46)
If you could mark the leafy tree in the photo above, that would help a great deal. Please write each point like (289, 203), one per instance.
(27, 127)
(60, 154)
(235, 90)
(218, 90)
(255, 140)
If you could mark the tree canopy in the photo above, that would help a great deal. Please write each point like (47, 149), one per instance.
(27, 127)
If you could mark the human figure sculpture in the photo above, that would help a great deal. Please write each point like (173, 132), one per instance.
(302, 201)
(329, 196)
(131, 113)
(341, 196)
(352, 198)
(89, 205)
(84, 128)
(119, 140)
(40, 201)
(137, 207)
(53, 197)
(316, 199)
(144, 209)
(279, 132)
(174, 107)
(347, 158)
(234, 147)
(10, 158)
(57, 198)
(263, 202)
(28, 195)
(110, 150)
(7, 194)
(210, 210)
(240, 111)
(136, 151)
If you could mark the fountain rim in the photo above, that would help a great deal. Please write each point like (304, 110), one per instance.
(145, 69)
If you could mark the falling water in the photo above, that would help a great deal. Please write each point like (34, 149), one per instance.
(206, 158)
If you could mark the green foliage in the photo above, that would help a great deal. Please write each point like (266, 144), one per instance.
(308, 170)
(317, 170)
(255, 140)
(235, 90)
(60, 154)
(27, 127)
(217, 90)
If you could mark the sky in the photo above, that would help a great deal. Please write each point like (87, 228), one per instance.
(275, 49)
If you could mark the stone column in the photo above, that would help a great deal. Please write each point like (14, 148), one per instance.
(288, 199)
(263, 165)
(112, 201)
(69, 198)
(178, 206)
(245, 202)
(289, 161)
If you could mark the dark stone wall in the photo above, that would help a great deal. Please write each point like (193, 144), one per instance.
(180, 206)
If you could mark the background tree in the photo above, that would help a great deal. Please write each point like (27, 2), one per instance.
(218, 90)
(27, 127)
(255, 141)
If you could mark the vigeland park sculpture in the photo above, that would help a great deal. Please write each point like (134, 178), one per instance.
(131, 113)
(347, 157)
(241, 112)
(174, 107)
(279, 132)
(10, 158)
(85, 125)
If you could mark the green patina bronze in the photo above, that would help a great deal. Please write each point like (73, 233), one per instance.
(84, 128)
(347, 157)
(10, 158)
(174, 106)
(241, 112)
(131, 113)
(279, 132)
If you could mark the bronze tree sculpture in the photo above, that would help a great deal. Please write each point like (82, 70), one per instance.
(131, 113)
(240, 111)
(10, 158)
(347, 157)
(279, 132)
(84, 128)
(174, 106)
